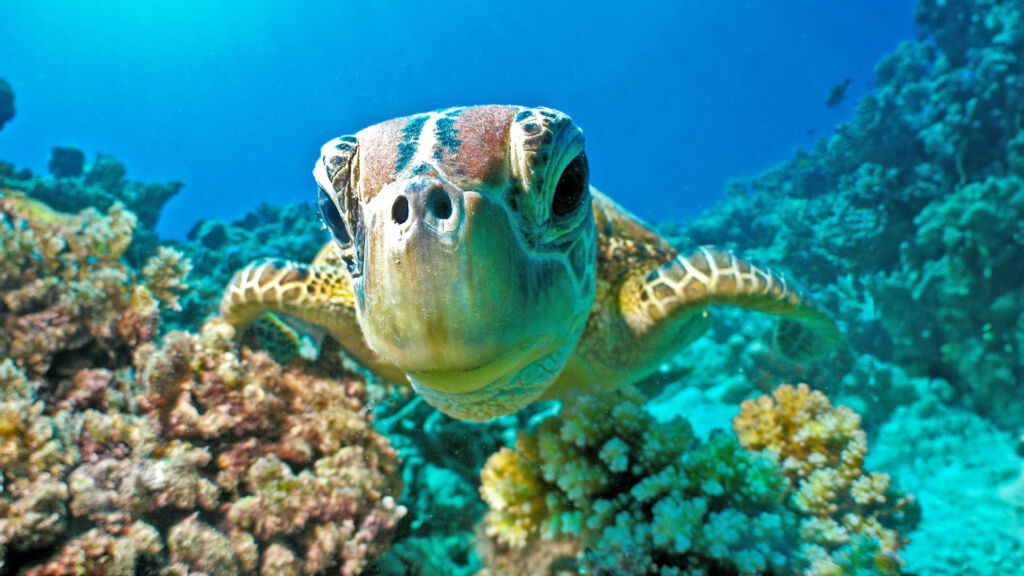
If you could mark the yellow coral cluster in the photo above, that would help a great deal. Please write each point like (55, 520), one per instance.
(821, 450)
(164, 274)
(514, 495)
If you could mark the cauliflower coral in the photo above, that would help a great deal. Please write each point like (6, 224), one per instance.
(645, 497)
(821, 452)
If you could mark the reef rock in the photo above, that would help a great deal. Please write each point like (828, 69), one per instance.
(6, 103)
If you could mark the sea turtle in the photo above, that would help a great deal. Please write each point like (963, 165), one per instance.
(471, 259)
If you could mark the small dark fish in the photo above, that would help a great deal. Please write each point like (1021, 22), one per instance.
(837, 94)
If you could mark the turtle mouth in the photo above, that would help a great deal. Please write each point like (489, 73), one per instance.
(461, 380)
(501, 387)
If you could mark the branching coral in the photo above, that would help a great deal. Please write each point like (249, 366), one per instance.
(35, 453)
(286, 466)
(164, 275)
(441, 462)
(821, 450)
(296, 452)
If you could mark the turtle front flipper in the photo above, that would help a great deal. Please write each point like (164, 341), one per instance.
(672, 298)
(318, 294)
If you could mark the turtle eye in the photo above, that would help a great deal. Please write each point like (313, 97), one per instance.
(571, 188)
(329, 212)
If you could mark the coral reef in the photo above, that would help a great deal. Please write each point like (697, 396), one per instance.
(217, 249)
(441, 462)
(305, 470)
(6, 103)
(65, 290)
(914, 206)
(128, 448)
(125, 453)
(644, 497)
(101, 185)
(66, 162)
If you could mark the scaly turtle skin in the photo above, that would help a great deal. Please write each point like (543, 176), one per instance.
(472, 259)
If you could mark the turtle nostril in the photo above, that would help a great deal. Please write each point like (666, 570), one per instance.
(400, 210)
(439, 204)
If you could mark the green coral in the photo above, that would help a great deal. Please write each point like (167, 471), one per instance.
(650, 498)
(959, 286)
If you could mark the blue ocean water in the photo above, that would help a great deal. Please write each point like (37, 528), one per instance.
(858, 165)
(236, 98)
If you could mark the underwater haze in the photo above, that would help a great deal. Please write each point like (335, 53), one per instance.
(236, 98)
(782, 335)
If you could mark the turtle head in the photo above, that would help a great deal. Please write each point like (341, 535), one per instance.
(470, 238)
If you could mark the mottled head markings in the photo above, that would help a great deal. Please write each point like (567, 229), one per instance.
(410, 140)
(447, 135)
(423, 168)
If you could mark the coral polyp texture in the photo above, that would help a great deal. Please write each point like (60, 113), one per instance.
(821, 450)
(126, 451)
(65, 290)
(642, 497)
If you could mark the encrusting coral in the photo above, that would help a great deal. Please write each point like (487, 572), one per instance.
(643, 497)
(123, 451)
